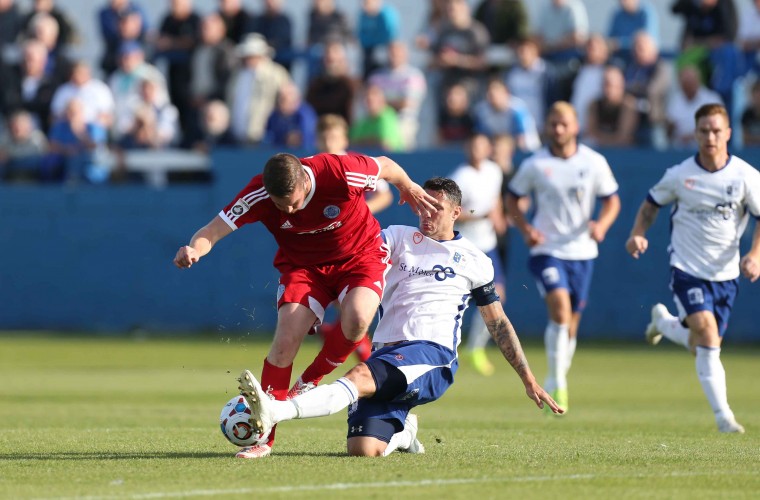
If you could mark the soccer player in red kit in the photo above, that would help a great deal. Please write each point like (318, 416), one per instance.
(329, 248)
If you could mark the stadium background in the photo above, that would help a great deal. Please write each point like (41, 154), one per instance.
(99, 258)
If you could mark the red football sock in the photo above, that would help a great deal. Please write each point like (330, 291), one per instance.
(335, 351)
(364, 349)
(275, 381)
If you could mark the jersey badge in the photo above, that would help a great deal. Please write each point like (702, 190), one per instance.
(417, 237)
(457, 257)
(690, 183)
(331, 211)
(240, 207)
(732, 189)
(286, 225)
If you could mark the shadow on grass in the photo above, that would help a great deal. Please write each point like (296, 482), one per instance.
(74, 455)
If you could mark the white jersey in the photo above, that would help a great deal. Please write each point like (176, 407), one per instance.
(565, 193)
(481, 188)
(428, 287)
(709, 215)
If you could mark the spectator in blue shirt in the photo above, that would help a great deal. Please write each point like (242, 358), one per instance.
(277, 28)
(501, 113)
(378, 26)
(120, 21)
(631, 17)
(293, 123)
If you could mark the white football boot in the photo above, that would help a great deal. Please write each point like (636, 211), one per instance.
(730, 425)
(262, 414)
(652, 334)
(411, 424)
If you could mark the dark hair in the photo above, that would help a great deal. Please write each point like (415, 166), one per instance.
(282, 173)
(449, 187)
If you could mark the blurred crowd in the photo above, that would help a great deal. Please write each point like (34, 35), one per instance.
(197, 81)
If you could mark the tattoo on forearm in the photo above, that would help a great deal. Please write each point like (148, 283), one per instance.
(648, 214)
(505, 337)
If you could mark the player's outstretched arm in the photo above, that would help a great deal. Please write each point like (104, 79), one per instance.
(637, 243)
(505, 337)
(201, 242)
(750, 263)
(409, 191)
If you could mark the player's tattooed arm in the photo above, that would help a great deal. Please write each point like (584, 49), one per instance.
(503, 333)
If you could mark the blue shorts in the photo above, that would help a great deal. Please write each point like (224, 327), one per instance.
(498, 270)
(692, 294)
(572, 275)
(426, 370)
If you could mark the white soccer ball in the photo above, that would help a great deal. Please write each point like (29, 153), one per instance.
(235, 425)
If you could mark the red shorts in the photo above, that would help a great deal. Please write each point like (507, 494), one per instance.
(316, 286)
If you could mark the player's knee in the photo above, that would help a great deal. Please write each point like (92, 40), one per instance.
(355, 325)
(363, 447)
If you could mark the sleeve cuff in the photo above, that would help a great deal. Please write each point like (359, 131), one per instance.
(653, 201)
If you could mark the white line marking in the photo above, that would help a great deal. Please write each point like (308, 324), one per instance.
(388, 484)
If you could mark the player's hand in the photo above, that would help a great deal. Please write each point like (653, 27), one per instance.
(418, 199)
(596, 232)
(541, 397)
(750, 267)
(533, 237)
(636, 245)
(186, 257)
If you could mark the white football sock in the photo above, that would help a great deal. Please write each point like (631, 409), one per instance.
(401, 440)
(672, 329)
(319, 402)
(556, 343)
(479, 335)
(712, 376)
(572, 342)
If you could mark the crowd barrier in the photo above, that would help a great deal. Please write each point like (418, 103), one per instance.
(99, 258)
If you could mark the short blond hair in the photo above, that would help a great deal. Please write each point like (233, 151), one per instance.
(563, 108)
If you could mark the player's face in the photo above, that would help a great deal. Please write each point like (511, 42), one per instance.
(295, 200)
(561, 128)
(713, 134)
(440, 225)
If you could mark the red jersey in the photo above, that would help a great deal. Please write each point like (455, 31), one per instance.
(334, 223)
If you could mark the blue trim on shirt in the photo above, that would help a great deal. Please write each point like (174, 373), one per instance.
(699, 164)
(652, 200)
(515, 193)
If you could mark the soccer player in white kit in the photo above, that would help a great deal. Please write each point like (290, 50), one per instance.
(713, 193)
(482, 214)
(435, 271)
(566, 179)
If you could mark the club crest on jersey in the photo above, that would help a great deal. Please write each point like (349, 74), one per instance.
(331, 211)
(690, 183)
(417, 237)
(732, 189)
(240, 207)
(457, 257)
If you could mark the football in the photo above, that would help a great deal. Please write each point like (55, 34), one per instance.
(235, 426)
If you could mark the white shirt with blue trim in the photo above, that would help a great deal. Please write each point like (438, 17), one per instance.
(428, 287)
(709, 215)
(565, 191)
(481, 189)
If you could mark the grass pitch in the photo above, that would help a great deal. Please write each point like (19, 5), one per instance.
(122, 418)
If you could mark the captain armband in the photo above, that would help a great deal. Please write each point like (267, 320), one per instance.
(484, 295)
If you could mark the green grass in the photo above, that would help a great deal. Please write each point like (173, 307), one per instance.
(120, 418)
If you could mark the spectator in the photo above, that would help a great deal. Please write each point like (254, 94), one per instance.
(432, 26)
(460, 50)
(253, 89)
(506, 20)
(293, 123)
(405, 87)
(751, 118)
(21, 151)
(379, 128)
(176, 43)
(10, 23)
(94, 97)
(588, 82)
(501, 113)
(648, 79)
(563, 29)
(277, 28)
(75, 144)
(684, 103)
(455, 123)
(378, 26)
(613, 118)
(27, 87)
(502, 153)
(120, 21)
(237, 21)
(529, 79)
(749, 33)
(125, 85)
(215, 128)
(154, 118)
(66, 31)
(213, 62)
(631, 17)
(44, 28)
(333, 91)
(327, 24)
